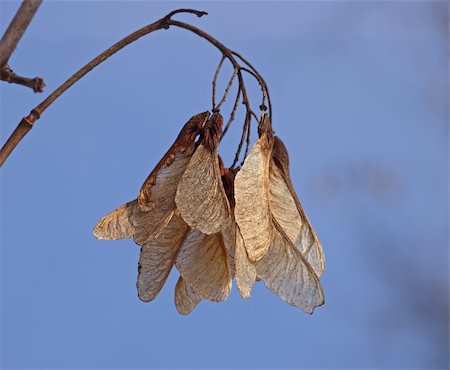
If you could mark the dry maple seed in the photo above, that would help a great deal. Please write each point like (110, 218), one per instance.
(214, 223)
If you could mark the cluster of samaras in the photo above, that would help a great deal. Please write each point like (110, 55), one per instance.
(214, 224)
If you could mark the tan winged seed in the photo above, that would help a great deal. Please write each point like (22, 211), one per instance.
(201, 197)
(185, 298)
(157, 258)
(117, 224)
(288, 211)
(287, 274)
(203, 264)
(252, 199)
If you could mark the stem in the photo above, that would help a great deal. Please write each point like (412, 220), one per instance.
(7, 75)
(227, 91)
(233, 112)
(263, 90)
(16, 29)
(247, 140)
(260, 79)
(248, 117)
(214, 82)
(163, 23)
(9, 42)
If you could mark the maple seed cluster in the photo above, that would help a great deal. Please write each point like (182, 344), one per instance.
(215, 224)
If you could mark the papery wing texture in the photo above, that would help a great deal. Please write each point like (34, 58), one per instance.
(157, 258)
(229, 242)
(185, 298)
(251, 191)
(156, 200)
(117, 224)
(288, 212)
(200, 196)
(244, 269)
(286, 273)
(203, 264)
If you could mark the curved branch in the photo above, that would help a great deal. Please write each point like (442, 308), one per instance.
(164, 23)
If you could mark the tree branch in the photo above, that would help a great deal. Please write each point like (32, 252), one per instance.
(7, 75)
(164, 23)
(9, 42)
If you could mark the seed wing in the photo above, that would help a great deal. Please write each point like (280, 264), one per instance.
(288, 211)
(244, 269)
(157, 258)
(286, 273)
(203, 264)
(185, 298)
(251, 192)
(117, 224)
(201, 197)
(156, 199)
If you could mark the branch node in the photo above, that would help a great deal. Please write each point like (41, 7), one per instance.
(34, 115)
(8, 75)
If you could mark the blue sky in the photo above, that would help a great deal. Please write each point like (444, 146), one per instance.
(360, 96)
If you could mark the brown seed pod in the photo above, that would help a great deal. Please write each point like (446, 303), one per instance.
(157, 258)
(241, 267)
(288, 211)
(146, 217)
(285, 272)
(251, 192)
(203, 264)
(200, 196)
(156, 200)
(117, 224)
(272, 223)
(244, 269)
(185, 298)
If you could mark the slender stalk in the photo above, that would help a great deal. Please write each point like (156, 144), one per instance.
(261, 84)
(247, 140)
(163, 23)
(9, 42)
(233, 112)
(227, 91)
(260, 79)
(7, 75)
(248, 117)
(214, 82)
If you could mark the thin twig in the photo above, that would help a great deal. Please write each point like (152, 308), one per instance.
(227, 91)
(227, 52)
(248, 117)
(214, 82)
(198, 13)
(260, 82)
(9, 42)
(260, 78)
(247, 140)
(7, 74)
(233, 113)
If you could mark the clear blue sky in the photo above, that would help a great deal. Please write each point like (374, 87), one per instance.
(360, 95)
